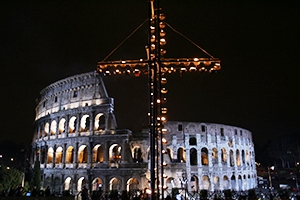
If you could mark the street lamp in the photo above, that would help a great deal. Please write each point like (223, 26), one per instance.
(270, 179)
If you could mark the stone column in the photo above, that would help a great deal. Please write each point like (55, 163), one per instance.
(92, 120)
(76, 155)
(64, 155)
(54, 156)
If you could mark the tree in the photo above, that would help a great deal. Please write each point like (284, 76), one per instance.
(36, 178)
(284, 149)
(9, 177)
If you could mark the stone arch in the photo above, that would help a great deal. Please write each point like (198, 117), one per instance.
(170, 153)
(240, 183)
(82, 154)
(224, 155)
(193, 141)
(68, 184)
(238, 158)
(61, 126)
(181, 156)
(72, 124)
(58, 155)
(56, 185)
(132, 184)
(70, 155)
(193, 156)
(170, 183)
(233, 182)
(98, 154)
(43, 159)
(85, 123)
(46, 129)
(214, 156)
(50, 155)
(194, 183)
(205, 182)
(115, 153)
(53, 127)
(137, 154)
(40, 129)
(243, 157)
(99, 122)
(247, 157)
(204, 156)
(244, 186)
(97, 184)
(231, 158)
(80, 183)
(217, 183)
(47, 182)
(114, 184)
(226, 185)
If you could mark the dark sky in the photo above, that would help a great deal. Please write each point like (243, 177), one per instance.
(258, 42)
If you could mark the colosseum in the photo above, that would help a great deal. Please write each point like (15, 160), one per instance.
(77, 143)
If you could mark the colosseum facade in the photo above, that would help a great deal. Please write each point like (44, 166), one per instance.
(77, 142)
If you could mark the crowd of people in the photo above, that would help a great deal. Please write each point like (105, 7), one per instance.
(19, 191)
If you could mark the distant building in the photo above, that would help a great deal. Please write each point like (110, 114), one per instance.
(77, 143)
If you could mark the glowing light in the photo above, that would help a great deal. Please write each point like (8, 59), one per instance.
(164, 140)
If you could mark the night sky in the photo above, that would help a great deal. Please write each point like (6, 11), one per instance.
(258, 42)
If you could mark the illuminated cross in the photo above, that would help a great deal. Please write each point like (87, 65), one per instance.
(156, 66)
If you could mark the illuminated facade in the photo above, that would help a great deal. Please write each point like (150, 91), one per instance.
(77, 143)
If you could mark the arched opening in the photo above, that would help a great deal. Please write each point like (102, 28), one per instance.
(80, 183)
(231, 158)
(170, 183)
(56, 188)
(224, 155)
(233, 183)
(82, 154)
(50, 155)
(72, 124)
(247, 157)
(115, 153)
(47, 182)
(216, 183)
(225, 183)
(70, 155)
(68, 184)
(170, 154)
(84, 123)
(137, 154)
(181, 155)
(238, 158)
(240, 182)
(214, 156)
(193, 157)
(61, 126)
(99, 122)
(43, 159)
(97, 184)
(114, 184)
(41, 128)
(53, 127)
(98, 154)
(132, 184)
(206, 183)
(243, 157)
(46, 129)
(194, 184)
(58, 155)
(204, 156)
